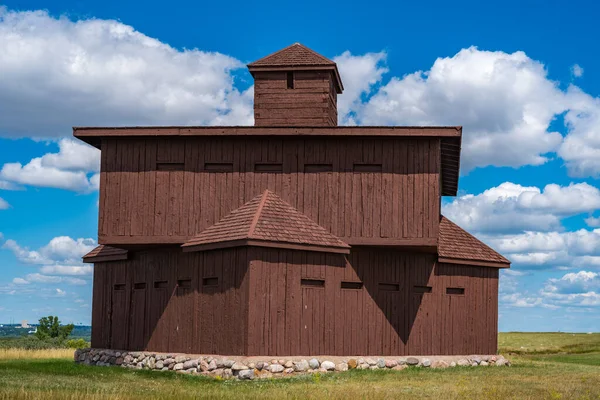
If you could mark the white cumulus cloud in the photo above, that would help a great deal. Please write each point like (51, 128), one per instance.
(4, 185)
(75, 167)
(35, 174)
(360, 73)
(511, 207)
(574, 282)
(500, 99)
(593, 222)
(58, 73)
(577, 71)
(61, 250)
(66, 270)
(549, 250)
(40, 278)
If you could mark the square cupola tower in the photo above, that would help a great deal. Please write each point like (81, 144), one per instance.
(295, 87)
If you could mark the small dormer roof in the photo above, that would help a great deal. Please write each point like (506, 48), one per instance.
(267, 221)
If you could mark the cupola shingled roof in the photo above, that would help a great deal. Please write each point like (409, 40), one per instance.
(267, 221)
(296, 57)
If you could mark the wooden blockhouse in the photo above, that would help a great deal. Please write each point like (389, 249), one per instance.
(291, 237)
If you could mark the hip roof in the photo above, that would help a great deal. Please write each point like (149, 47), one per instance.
(458, 246)
(267, 221)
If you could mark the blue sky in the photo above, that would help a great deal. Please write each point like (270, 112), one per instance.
(520, 78)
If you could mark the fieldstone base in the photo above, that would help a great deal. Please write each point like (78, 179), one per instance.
(261, 367)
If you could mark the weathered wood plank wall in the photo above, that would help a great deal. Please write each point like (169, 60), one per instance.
(312, 101)
(281, 302)
(399, 307)
(172, 301)
(166, 191)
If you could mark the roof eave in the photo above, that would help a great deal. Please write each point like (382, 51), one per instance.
(476, 263)
(264, 243)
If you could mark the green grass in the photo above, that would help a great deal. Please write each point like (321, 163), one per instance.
(548, 343)
(532, 376)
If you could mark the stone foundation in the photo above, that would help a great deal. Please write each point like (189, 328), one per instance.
(261, 367)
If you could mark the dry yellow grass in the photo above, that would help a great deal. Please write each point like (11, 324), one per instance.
(22, 354)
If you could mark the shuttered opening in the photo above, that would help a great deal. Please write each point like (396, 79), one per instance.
(389, 287)
(313, 282)
(184, 283)
(211, 281)
(422, 289)
(455, 290)
(160, 284)
(352, 285)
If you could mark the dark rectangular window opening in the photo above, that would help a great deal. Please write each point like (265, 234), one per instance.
(422, 289)
(160, 284)
(455, 290)
(167, 166)
(352, 285)
(212, 281)
(139, 286)
(184, 283)
(360, 167)
(313, 282)
(318, 167)
(290, 80)
(389, 287)
(268, 167)
(218, 167)
(119, 286)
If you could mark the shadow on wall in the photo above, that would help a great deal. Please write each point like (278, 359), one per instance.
(259, 301)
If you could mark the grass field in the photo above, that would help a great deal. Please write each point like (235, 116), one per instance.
(548, 366)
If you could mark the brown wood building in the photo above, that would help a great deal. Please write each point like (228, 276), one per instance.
(291, 237)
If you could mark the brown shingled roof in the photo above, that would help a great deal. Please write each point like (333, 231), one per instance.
(105, 253)
(458, 246)
(267, 221)
(294, 55)
(297, 57)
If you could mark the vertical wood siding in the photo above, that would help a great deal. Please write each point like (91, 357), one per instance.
(164, 305)
(287, 318)
(261, 307)
(357, 188)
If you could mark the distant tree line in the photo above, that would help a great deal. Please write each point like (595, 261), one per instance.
(49, 334)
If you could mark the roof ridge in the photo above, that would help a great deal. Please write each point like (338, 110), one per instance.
(264, 61)
(261, 204)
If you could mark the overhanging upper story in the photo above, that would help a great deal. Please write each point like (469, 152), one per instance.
(367, 185)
